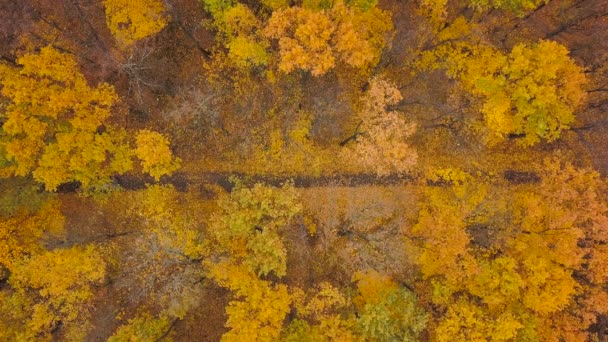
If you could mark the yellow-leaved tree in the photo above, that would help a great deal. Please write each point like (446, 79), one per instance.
(439, 238)
(509, 268)
(259, 307)
(249, 224)
(387, 311)
(50, 289)
(56, 126)
(532, 93)
(519, 7)
(318, 316)
(153, 149)
(437, 10)
(144, 327)
(246, 232)
(130, 21)
(21, 233)
(52, 122)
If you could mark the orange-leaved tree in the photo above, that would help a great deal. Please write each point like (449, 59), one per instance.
(315, 39)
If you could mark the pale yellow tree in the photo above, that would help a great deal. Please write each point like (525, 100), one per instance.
(381, 141)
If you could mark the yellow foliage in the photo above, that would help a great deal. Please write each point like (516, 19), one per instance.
(56, 123)
(519, 7)
(385, 311)
(167, 216)
(83, 156)
(532, 92)
(143, 328)
(245, 52)
(441, 226)
(55, 287)
(498, 283)
(321, 306)
(20, 234)
(275, 4)
(238, 28)
(324, 301)
(372, 287)
(458, 28)
(548, 286)
(133, 20)
(571, 208)
(435, 10)
(307, 48)
(467, 322)
(155, 154)
(238, 20)
(522, 279)
(259, 308)
(248, 226)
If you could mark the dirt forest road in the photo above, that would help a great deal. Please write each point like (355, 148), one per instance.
(184, 181)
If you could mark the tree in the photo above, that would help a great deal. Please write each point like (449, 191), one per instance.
(386, 311)
(154, 152)
(466, 321)
(57, 126)
(21, 233)
(314, 40)
(532, 272)
(519, 7)
(130, 21)
(440, 238)
(246, 230)
(239, 31)
(574, 220)
(144, 327)
(260, 307)
(166, 245)
(380, 140)
(50, 98)
(437, 12)
(248, 225)
(320, 316)
(50, 289)
(541, 85)
(532, 92)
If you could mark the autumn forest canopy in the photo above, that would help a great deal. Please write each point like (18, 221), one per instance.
(306, 170)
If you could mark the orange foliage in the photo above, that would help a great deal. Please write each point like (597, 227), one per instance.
(312, 40)
(381, 146)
